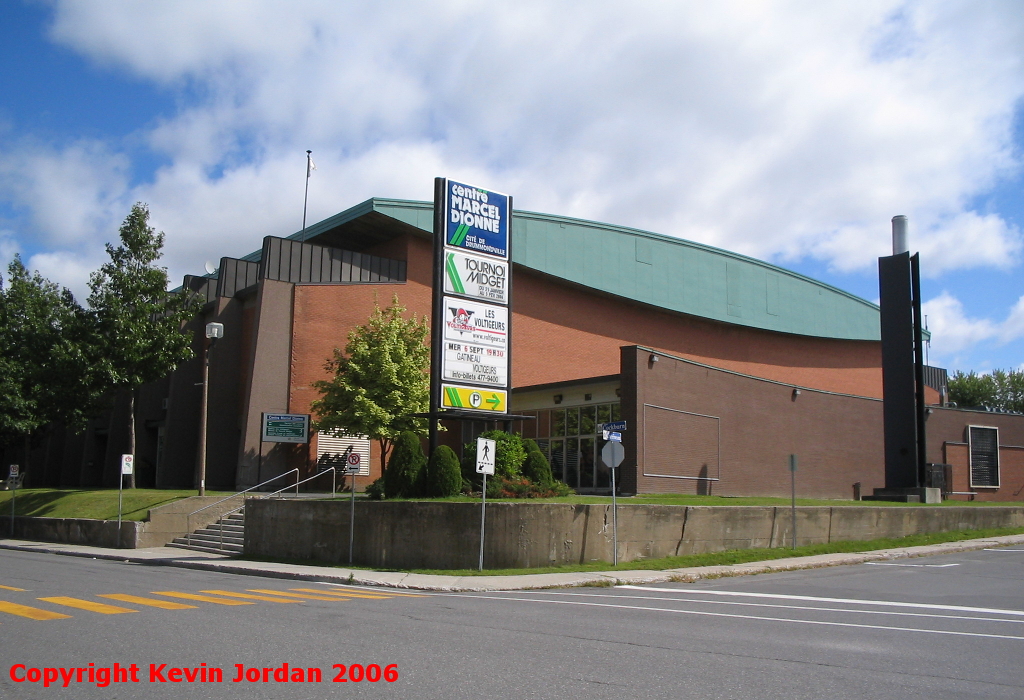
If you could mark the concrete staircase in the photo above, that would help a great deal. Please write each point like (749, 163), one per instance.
(230, 530)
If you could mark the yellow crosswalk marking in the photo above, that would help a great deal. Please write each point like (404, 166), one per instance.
(201, 598)
(30, 613)
(308, 596)
(253, 597)
(341, 594)
(151, 602)
(89, 605)
(11, 588)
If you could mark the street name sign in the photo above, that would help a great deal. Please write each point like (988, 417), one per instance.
(615, 426)
(286, 427)
(485, 451)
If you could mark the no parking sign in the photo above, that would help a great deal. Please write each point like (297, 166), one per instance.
(353, 462)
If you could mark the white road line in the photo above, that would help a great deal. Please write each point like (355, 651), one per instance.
(854, 601)
(791, 607)
(922, 566)
(1000, 549)
(741, 617)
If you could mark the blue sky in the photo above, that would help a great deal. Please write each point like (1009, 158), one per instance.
(791, 132)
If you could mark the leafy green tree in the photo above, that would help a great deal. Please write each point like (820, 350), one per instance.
(1002, 389)
(443, 476)
(379, 381)
(138, 324)
(404, 468)
(46, 356)
(971, 389)
(1009, 389)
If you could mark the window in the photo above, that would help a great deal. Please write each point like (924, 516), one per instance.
(984, 447)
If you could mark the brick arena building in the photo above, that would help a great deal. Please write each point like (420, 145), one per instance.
(721, 365)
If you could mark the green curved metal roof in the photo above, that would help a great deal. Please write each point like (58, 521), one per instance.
(663, 271)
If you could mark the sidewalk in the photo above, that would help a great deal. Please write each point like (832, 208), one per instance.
(170, 556)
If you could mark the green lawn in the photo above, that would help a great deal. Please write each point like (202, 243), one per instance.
(669, 499)
(733, 556)
(98, 504)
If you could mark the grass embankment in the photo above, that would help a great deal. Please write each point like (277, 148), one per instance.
(669, 499)
(733, 556)
(96, 504)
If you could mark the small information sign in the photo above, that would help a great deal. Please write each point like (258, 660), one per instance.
(485, 450)
(353, 462)
(127, 465)
(12, 471)
(286, 427)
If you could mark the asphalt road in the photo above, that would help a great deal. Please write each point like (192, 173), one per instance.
(937, 627)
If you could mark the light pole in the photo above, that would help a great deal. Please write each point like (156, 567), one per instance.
(213, 332)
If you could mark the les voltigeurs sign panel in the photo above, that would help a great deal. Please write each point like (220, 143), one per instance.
(475, 324)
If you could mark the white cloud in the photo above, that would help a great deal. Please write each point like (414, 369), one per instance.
(72, 270)
(778, 129)
(954, 334)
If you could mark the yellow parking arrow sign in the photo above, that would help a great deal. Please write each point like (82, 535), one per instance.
(474, 398)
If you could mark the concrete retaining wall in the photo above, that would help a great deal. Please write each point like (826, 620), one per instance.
(97, 533)
(163, 524)
(425, 535)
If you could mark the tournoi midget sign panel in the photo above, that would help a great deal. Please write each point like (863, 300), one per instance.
(476, 276)
(476, 219)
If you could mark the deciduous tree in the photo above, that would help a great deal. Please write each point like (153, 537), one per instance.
(139, 324)
(379, 381)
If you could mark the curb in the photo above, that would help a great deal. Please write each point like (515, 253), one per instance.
(427, 582)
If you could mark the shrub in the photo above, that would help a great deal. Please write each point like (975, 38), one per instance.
(407, 459)
(375, 490)
(442, 476)
(508, 461)
(536, 467)
(521, 487)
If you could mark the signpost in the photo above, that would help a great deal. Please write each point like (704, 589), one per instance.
(12, 479)
(470, 356)
(485, 461)
(792, 481)
(127, 469)
(352, 465)
(613, 454)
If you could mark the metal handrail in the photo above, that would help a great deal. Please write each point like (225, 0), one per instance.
(334, 478)
(188, 518)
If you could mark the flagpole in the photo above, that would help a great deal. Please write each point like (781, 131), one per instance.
(305, 200)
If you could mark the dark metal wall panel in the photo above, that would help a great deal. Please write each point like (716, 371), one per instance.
(299, 262)
(898, 381)
(203, 287)
(236, 275)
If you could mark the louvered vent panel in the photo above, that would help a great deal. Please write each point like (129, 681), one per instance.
(331, 448)
(984, 456)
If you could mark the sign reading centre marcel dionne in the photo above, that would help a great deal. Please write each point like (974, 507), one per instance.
(476, 220)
